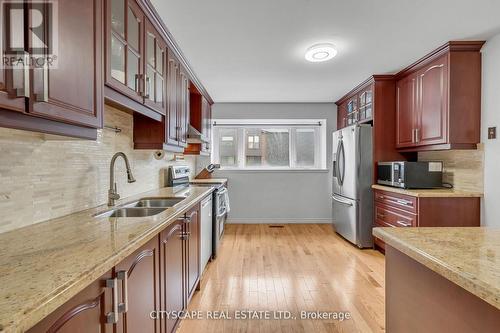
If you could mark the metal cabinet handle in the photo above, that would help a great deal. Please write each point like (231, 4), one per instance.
(123, 276)
(147, 84)
(403, 224)
(44, 96)
(417, 136)
(185, 235)
(403, 202)
(185, 219)
(112, 317)
(381, 216)
(136, 82)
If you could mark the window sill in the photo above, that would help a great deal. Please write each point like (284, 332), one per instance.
(272, 170)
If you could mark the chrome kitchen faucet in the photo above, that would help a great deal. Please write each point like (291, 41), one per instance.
(112, 192)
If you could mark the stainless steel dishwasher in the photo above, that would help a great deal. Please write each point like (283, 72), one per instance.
(206, 227)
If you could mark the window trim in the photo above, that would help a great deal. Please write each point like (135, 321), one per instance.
(320, 153)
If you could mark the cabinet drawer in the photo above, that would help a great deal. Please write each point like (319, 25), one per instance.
(387, 216)
(397, 200)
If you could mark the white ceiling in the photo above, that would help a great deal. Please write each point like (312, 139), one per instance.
(253, 50)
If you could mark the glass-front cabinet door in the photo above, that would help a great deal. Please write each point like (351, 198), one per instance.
(155, 70)
(124, 63)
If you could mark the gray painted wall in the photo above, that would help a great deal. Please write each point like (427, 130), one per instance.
(279, 196)
(491, 117)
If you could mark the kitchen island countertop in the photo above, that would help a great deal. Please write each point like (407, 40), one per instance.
(468, 257)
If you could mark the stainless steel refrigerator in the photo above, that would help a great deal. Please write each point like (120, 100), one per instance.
(352, 198)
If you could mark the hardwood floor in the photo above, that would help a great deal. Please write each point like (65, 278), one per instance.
(294, 268)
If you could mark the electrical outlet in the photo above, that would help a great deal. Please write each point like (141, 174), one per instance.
(492, 132)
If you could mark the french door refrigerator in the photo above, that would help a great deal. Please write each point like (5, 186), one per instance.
(352, 198)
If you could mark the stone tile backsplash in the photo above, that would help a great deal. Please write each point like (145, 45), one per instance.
(44, 176)
(462, 168)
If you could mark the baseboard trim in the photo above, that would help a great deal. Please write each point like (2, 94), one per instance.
(278, 221)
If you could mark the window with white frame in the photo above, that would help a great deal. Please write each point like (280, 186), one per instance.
(269, 144)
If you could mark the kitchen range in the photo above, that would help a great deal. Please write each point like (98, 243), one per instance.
(179, 176)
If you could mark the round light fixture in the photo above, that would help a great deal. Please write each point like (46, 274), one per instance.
(320, 52)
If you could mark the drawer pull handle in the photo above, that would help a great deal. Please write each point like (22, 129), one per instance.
(123, 276)
(112, 317)
(403, 224)
(381, 216)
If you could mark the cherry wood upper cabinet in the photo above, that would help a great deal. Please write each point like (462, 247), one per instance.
(13, 87)
(356, 107)
(173, 77)
(439, 99)
(433, 103)
(63, 95)
(183, 107)
(200, 118)
(172, 272)
(406, 91)
(86, 312)
(72, 91)
(124, 48)
(140, 294)
(342, 115)
(374, 101)
(155, 70)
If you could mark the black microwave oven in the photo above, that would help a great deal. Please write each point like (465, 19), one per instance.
(409, 175)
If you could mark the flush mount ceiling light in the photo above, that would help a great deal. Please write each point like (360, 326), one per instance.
(320, 52)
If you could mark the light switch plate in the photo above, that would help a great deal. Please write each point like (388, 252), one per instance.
(492, 132)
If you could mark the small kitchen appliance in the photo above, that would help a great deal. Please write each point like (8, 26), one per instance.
(410, 175)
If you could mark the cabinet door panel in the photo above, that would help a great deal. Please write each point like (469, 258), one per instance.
(72, 91)
(405, 111)
(155, 57)
(183, 107)
(143, 289)
(341, 115)
(433, 103)
(172, 108)
(193, 250)
(171, 271)
(84, 313)
(13, 79)
(124, 48)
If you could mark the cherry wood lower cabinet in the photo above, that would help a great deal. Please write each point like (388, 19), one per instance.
(86, 312)
(161, 275)
(399, 210)
(171, 272)
(140, 293)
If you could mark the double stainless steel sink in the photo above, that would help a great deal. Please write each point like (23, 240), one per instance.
(141, 208)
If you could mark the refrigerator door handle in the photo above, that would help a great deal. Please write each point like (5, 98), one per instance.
(341, 154)
(342, 201)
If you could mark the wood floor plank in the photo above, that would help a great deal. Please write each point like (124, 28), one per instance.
(299, 267)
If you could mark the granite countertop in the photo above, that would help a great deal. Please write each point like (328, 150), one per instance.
(469, 257)
(209, 181)
(44, 265)
(429, 193)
